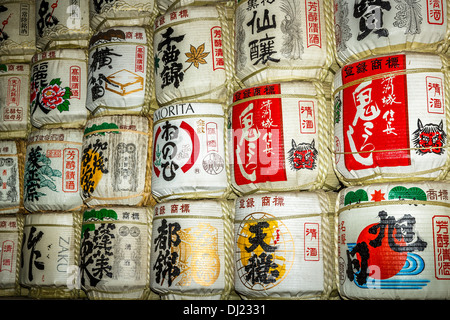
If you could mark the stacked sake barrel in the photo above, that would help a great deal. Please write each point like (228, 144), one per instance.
(116, 153)
(17, 46)
(192, 234)
(280, 150)
(391, 123)
(51, 181)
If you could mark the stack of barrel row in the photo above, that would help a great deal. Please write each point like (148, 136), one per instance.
(243, 91)
(280, 149)
(70, 162)
(97, 234)
(391, 126)
(194, 75)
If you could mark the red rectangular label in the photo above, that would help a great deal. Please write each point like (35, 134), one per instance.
(435, 95)
(217, 50)
(435, 12)
(441, 247)
(258, 150)
(375, 113)
(313, 37)
(70, 175)
(312, 242)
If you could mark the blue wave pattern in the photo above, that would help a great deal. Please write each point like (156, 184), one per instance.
(414, 265)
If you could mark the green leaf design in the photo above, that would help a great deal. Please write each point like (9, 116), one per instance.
(103, 126)
(64, 106)
(402, 193)
(67, 93)
(157, 62)
(356, 197)
(97, 215)
(56, 81)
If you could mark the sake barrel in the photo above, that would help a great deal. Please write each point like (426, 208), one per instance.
(18, 37)
(62, 24)
(12, 158)
(193, 58)
(58, 88)
(50, 253)
(290, 233)
(190, 158)
(52, 170)
(392, 239)
(14, 100)
(195, 261)
(115, 165)
(279, 138)
(364, 28)
(119, 77)
(11, 229)
(124, 261)
(283, 41)
(391, 119)
(106, 14)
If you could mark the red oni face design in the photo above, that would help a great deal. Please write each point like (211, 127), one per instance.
(429, 138)
(430, 142)
(303, 159)
(302, 156)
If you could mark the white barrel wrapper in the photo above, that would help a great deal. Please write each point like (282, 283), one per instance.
(105, 14)
(52, 170)
(62, 24)
(114, 165)
(283, 40)
(283, 245)
(11, 230)
(119, 75)
(392, 241)
(365, 28)
(189, 155)
(391, 119)
(50, 253)
(58, 88)
(279, 138)
(18, 37)
(191, 256)
(14, 100)
(192, 48)
(12, 157)
(125, 261)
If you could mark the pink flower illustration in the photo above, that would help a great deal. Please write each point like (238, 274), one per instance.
(52, 96)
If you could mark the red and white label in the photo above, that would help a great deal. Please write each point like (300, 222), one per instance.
(435, 12)
(313, 36)
(258, 149)
(140, 59)
(217, 50)
(312, 242)
(70, 176)
(441, 247)
(435, 97)
(212, 137)
(74, 83)
(375, 114)
(307, 117)
(13, 92)
(7, 256)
